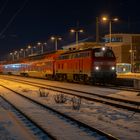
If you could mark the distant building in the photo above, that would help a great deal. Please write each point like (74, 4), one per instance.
(127, 50)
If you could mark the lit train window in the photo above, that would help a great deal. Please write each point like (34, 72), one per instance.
(99, 54)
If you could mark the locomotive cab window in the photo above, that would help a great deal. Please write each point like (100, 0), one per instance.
(98, 53)
(109, 53)
(103, 53)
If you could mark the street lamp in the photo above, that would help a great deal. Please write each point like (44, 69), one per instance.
(30, 47)
(27, 52)
(77, 31)
(42, 46)
(22, 50)
(132, 55)
(12, 54)
(110, 24)
(39, 44)
(56, 39)
(17, 54)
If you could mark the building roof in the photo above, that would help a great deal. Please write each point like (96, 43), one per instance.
(123, 34)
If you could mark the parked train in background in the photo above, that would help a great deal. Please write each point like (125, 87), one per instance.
(87, 65)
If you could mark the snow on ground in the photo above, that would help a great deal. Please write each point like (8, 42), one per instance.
(133, 96)
(11, 128)
(120, 123)
(87, 88)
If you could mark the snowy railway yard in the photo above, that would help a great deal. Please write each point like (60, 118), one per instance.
(118, 122)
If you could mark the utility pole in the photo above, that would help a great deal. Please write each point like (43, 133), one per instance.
(131, 53)
(97, 29)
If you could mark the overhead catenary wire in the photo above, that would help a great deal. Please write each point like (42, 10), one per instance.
(13, 17)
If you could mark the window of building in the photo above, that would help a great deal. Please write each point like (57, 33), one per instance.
(114, 39)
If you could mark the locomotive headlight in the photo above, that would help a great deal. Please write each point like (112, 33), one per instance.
(103, 48)
(97, 68)
(113, 68)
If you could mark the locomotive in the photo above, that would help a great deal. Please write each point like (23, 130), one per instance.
(96, 64)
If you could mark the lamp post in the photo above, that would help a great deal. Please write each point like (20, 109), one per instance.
(76, 31)
(56, 39)
(97, 29)
(12, 54)
(30, 47)
(132, 55)
(42, 46)
(110, 25)
(22, 50)
(26, 52)
(17, 54)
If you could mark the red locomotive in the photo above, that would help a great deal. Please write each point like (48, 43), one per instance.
(87, 65)
(91, 64)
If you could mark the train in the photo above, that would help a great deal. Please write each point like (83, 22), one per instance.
(96, 64)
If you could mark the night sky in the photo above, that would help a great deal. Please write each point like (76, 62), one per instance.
(24, 22)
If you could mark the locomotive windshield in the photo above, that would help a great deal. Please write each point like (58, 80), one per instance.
(103, 53)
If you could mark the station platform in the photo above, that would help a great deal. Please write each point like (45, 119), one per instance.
(129, 75)
(134, 76)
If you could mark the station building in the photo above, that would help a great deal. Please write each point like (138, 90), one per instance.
(127, 51)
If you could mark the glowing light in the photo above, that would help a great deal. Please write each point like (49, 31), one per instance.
(38, 43)
(81, 31)
(113, 68)
(124, 69)
(29, 47)
(104, 18)
(72, 31)
(96, 68)
(115, 19)
(52, 38)
(103, 48)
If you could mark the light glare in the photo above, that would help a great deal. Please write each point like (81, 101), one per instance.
(97, 68)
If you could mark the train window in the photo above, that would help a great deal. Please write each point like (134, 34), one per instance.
(77, 55)
(99, 54)
(64, 57)
(109, 53)
(60, 57)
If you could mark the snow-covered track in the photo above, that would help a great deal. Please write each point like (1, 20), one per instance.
(113, 101)
(106, 85)
(34, 128)
(117, 87)
(76, 129)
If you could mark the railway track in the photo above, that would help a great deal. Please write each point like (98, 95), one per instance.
(124, 88)
(58, 125)
(111, 86)
(34, 128)
(116, 102)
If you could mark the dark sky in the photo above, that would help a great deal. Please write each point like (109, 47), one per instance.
(24, 22)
